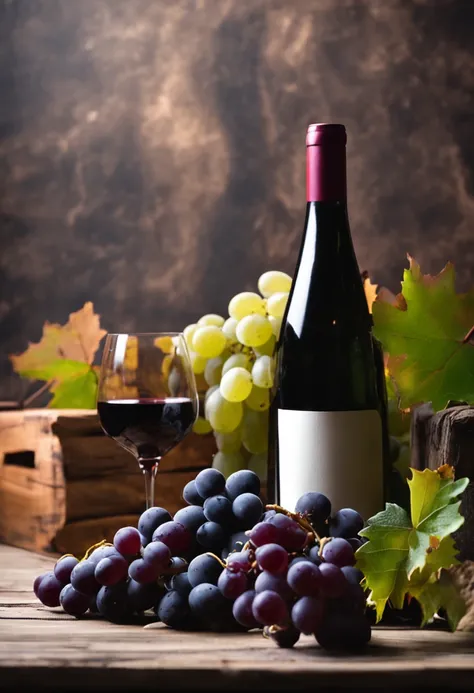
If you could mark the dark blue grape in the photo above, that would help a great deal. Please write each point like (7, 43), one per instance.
(284, 637)
(247, 508)
(314, 556)
(143, 597)
(180, 583)
(73, 602)
(236, 542)
(177, 565)
(49, 589)
(191, 517)
(102, 552)
(150, 520)
(352, 575)
(218, 509)
(315, 507)
(64, 568)
(346, 523)
(210, 482)
(211, 536)
(113, 603)
(174, 611)
(243, 481)
(191, 495)
(203, 569)
(83, 578)
(210, 607)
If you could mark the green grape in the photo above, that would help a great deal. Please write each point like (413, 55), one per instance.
(263, 371)
(197, 362)
(254, 330)
(213, 370)
(259, 465)
(228, 462)
(209, 341)
(188, 334)
(259, 399)
(229, 327)
(229, 442)
(211, 319)
(236, 384)
(255, 431)
(268, 348)
(276, 325)
(246, 303)
(202, 426)
(237, 360)
(276, 304)
(273, 282)
(210, 391)
(223, 416)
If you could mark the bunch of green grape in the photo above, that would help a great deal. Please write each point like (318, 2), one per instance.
(233, 359)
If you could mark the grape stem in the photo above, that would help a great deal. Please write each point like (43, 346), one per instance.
(92, 548)
(302, 521)
(219, 560)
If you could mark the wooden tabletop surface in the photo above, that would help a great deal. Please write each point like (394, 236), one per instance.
(43, 648)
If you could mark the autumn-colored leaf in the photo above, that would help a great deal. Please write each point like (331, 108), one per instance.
(428, 336)
(370, 291)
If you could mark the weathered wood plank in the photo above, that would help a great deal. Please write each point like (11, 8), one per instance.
(44, 648)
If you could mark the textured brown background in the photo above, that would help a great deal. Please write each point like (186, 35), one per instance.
(152, 151)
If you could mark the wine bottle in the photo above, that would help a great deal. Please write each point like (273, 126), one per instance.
(326, 418)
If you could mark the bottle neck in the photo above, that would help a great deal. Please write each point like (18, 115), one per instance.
(326, 172)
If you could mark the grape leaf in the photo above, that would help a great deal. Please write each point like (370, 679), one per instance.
(404, 554)
(64, 356)
(429, 336)
(79, 392)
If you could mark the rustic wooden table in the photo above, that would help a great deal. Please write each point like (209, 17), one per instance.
(44, 648)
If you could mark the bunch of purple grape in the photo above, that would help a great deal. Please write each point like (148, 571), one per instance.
(206, 569)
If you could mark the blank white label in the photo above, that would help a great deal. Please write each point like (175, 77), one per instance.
(336, 453)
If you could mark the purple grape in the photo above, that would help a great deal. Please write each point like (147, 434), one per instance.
(346, 523)
(111, 570)
(150, 520)
(272, 558)
(270, 609)
(174, 611)
(241, 482)
(176, 566)
(240, 560)
(211, 536)
(210, 482)
(297, 559)
(127, 541)
(264, 533)
(113, 603)
(63, 568)
(181, 584)
(48, 590)
(176, 537)
(339, 552)
(37, 582)
(274, 583)
(102, 552)
(307, 614)
(304, 578)
(353, 575)
(247, 509)
(232, 584)
(314, 556)
(158, 555)
(332, 580)
(143, 572)
(242, 610)
(268, 514)
(355, 542)
(204, 569)
(284, 637)
(191, 495)
(83, 578)
(73, 602)
(191, 517)
(290, 535)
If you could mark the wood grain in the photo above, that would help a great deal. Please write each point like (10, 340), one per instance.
(44, 648)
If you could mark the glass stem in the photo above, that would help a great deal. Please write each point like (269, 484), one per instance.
(149, 469)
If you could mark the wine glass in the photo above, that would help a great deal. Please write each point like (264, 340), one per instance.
(147, 398)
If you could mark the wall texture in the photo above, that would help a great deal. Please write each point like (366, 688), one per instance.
(152, 151)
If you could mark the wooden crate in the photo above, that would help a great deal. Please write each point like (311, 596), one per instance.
(65, 485)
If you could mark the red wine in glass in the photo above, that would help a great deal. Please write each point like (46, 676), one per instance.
(147, 427)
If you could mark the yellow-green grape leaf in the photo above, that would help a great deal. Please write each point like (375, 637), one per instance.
(429, 337)
(404, 553)
(79, 392)
(64, 351)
